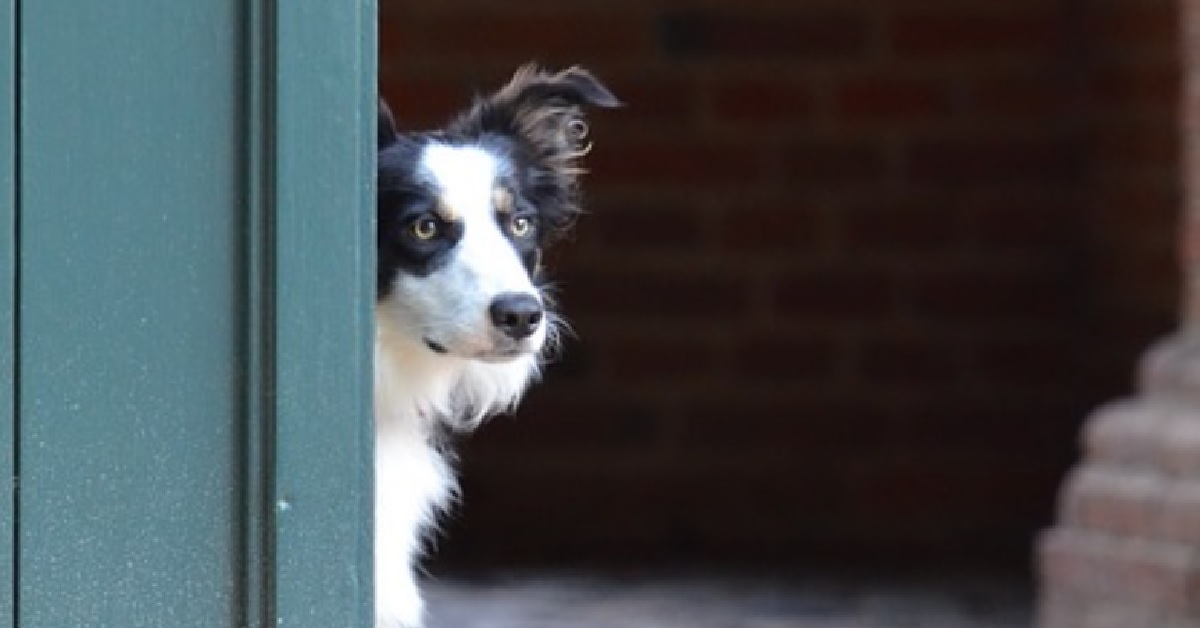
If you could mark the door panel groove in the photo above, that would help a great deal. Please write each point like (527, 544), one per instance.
(256, 571)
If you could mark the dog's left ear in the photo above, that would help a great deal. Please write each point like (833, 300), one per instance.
(531, 87)
(542, 110)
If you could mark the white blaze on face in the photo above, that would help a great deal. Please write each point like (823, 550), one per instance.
(465, 175)
(451, 305)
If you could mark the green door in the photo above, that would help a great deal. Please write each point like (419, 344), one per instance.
(7, 292)
(186, 318)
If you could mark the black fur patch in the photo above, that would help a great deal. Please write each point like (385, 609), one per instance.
(400, 200)
(535, 124)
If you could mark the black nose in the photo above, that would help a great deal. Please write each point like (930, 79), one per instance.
(517, 315)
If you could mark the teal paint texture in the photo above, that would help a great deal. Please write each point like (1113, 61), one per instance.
(324, 164)
(194, 332)
(7, 298)
(129, 342)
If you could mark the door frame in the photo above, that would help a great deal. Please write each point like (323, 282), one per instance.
(316, 151)
(8, 286)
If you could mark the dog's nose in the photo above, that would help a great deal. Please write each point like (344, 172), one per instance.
(516, 314)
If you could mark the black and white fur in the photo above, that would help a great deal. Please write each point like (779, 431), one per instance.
(462, 316)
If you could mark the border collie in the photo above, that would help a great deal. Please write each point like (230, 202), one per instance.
(462, 314)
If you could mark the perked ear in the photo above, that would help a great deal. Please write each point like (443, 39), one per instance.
(544, 111)
(386, 129)
(573, 86)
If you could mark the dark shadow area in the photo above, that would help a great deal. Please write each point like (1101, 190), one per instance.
(852, 276)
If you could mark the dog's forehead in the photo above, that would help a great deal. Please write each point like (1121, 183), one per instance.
(465, 176)
(462, 177)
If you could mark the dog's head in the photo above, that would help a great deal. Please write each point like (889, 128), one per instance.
(465, 212)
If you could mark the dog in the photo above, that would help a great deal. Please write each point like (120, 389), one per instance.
(463, 315)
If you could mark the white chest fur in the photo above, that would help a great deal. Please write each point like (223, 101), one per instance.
(416, 394)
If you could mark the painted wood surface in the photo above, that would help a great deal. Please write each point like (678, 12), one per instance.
(324, 156)
(194, 313)
(7, 296)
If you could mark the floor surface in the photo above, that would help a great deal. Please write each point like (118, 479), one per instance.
(678, 600)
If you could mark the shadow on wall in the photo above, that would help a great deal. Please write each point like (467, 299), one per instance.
(852, 276)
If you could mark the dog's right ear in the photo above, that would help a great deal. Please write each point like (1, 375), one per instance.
(386, 131)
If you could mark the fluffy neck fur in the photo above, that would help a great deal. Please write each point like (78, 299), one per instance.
(417, 389)
(417, 396)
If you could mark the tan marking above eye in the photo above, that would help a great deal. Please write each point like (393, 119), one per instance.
(502, 199)
(444, 210)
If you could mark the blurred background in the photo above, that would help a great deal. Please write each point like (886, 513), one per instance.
(853, 276)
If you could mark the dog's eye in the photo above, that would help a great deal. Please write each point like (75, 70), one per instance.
(520, 226)
(424, 228)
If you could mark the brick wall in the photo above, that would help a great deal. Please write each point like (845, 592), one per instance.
(1130, 104)
(1123, 551)
(842, 262)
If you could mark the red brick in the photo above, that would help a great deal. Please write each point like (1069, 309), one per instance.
(925, 488)
(1136, 87)
(548, 419)
(772, 228)
(1114, 220)
(1134, 571)
(1190, 241)
(642, 359)
(632, 227)
(827, 427)
(547, 36)
(1137, 147)
(395, 39)
(664, 99)
(955, 418)
(908, 359)
(726, 35)
(1180, 518)
(754, 492)
(835, 294)
(775, 357)
(1020, 97)
(1170, 369)
(585, 503)
(980, 294)
(904, 227)
(834, 163)
(1128, 433)
(960, 32)
(1031, 361)
(766, 102)
(423, 103)
(886, 99)
(1059, 609)
(1180, 450)
(1114, 500)
(700, 163)
(1130, 26)
(1007, 224)
(974, 161)
(658, 296)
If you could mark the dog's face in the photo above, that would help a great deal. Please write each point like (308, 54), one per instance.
(464, 213)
